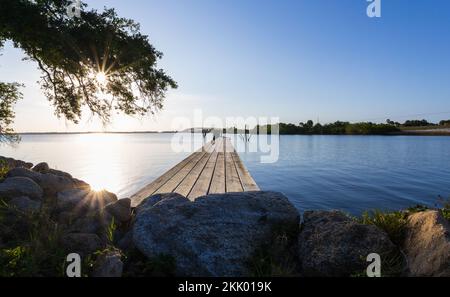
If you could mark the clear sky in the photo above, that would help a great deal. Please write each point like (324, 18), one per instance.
(296, 60)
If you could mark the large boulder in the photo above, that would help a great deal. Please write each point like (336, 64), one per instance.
(81, 200)
(120, 210)
(12, 163)
(25, 204)
(214, 235)
(108, 264)
(24, 172)
(82, 243)
(332, 244)
(41, 167)
(51, 183)
(427, 244)
(20, 186)
(69, 199)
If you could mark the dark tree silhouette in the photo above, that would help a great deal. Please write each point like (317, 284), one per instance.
(9, 94)
(98, 59)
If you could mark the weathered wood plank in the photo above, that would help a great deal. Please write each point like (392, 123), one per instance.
(201, 187)
(232, 181)
(184, 188)
(214, 168)
(175, 180)
(156, 184)
(228, 146)
(247, 181)
(218, 179)
(220, 145)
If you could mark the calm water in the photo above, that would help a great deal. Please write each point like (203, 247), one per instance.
(351, 173)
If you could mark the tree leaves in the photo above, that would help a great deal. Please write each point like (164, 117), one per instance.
(70, 52)
(9, 94)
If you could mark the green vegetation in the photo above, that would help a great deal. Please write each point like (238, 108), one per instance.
(112, 227)
(278, 256)
(29, 244)
(347, 128)
(445, 123)
(4, 168)
(445, 207)
(138, 265)
(336, 128)
(393, 223)
(9, 94)
(417, 123)
(72, 53)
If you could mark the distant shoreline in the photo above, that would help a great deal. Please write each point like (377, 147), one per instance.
(401, 133)
(98, 132)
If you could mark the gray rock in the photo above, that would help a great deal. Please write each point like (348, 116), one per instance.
(50, 183)
(84, 224)
(12, 163)
(84, 200)
(25, 204)
(331, 244)
(24, 172)
(427, 244)
(20, 186)
(108, 264)
(120, 210)
(82, 243)
(70, 199)
(213, 236)
(41, 168)
(126, 241)
(60, 173)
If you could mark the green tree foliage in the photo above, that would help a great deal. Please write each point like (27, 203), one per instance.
(444, 123)
(337, 128)
(417, 123)
(9, 94)
(71, 52)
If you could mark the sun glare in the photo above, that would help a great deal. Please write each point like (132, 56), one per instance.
(101, 77)
(102, 155)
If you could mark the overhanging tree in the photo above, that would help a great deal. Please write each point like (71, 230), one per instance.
(9, 94)
(98, 59)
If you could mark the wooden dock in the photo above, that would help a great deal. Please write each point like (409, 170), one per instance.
(215, 168)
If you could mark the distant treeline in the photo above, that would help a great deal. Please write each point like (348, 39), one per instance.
(418, 123)
(336, 128)
(347, 128)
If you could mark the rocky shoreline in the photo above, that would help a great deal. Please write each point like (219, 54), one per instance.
(46, 214)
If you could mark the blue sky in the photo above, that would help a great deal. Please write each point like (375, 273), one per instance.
(296, 60)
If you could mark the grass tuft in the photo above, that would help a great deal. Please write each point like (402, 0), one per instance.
(393, 223)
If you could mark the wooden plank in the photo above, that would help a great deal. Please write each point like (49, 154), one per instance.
(232, 181)
(156, 184)
(160, 181)
(247, 181)
(175, 180)
(201, 186)
(220, 145)
(214, 168)
(228, 146)
(218, 179)
(184, 188)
